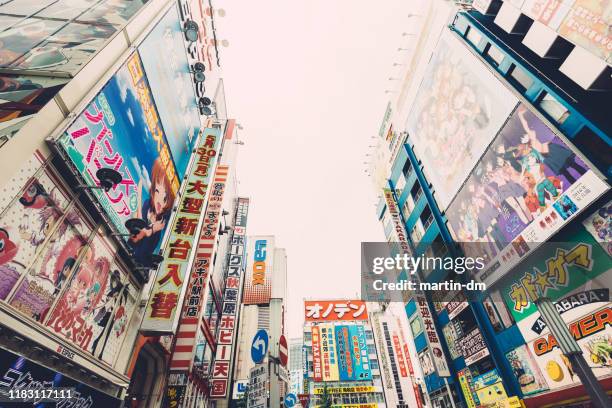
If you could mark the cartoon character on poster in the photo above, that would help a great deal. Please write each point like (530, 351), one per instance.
(85, 291)
(599, 225)
(111, 315)
(155, 211)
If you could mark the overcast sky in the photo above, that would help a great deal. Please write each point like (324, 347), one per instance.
(306, 80)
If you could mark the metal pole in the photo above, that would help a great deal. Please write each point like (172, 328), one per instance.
(570, 348)
(450, 394)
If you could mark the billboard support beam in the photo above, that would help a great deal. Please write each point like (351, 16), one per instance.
(569, 347)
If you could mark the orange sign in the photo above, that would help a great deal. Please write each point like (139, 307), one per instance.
(334, 310)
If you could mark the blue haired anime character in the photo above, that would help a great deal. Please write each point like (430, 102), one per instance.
(532, 171)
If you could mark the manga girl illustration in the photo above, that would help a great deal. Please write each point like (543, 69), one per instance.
(155, 211)
(110, 315)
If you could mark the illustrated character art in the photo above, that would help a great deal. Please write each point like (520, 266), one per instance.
(155, 211)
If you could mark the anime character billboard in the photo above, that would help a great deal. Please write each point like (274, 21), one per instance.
(41, 235)
(172, 86)
(120, 129)
(459, 107)
(95, 308)
(527, 185)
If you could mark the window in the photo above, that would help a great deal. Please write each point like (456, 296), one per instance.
(407, 168)
(399, 186)
(416, 192)
(417, 232)
(426, 217)
(553, 108)
(408, 206)
(501, 309)
(495, 54)
(473, 36)
(374, 364)
(520, 79)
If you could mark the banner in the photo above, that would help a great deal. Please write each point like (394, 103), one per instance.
(19, 373)
(344, 348)
(162, 314)
(361, 359)
(473, 347)
(459, 107)
(588, 25)
(332, 311)
(527, 186)
(258, 281)
(346, 390)
(226, 340)
(317, 368)
(120, 129)
(172, 86)
(465, 380)
(328, 352)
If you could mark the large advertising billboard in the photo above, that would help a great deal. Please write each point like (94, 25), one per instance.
(459, 107)
(328, 352)
(172, 86)
(120, 129)
(331, 311)
(259, 270)
(59, 36)
(164, 305)
(352, 353)
(527, 185)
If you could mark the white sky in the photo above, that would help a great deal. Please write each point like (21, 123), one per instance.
(306, 80)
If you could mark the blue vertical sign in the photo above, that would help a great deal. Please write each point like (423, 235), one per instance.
(343, 348)
(359, 351)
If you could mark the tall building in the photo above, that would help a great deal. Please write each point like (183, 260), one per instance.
(296, 365)
(341, 354)
(497, 134)
(263, 307)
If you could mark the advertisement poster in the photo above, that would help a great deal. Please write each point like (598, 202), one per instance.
(426, 362)
(451, 340)
(171, 83)
(328, 352)
(54, 37)
(120, 129)
(547, 12)
(17, 372)
(344, 351)
(526, 370)
(25, 95)
(459, 107)
(473, 347)
(361, 360)
(94, 311)
(592, 331)
(528, 184)
(259, 269)
(465, 380)
(599, 225)
(161, 314)
(329, 310)
(317, 366)
(558, 270)
(588, 25)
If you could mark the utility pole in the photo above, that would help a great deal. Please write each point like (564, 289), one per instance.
(572, 351)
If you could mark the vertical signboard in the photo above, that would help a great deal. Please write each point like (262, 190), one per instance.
(328, 352)
(423, 308)
(162, 314)
(226, 339)
(361, 359)
(459, 108)
(258, 280)
(527, 186)
(345, 359)
(200, 272)
(172, 86)
(258, 387)
(120, 129)
(317, 366)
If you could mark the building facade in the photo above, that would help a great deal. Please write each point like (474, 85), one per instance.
(527, 179)
(296, 365)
